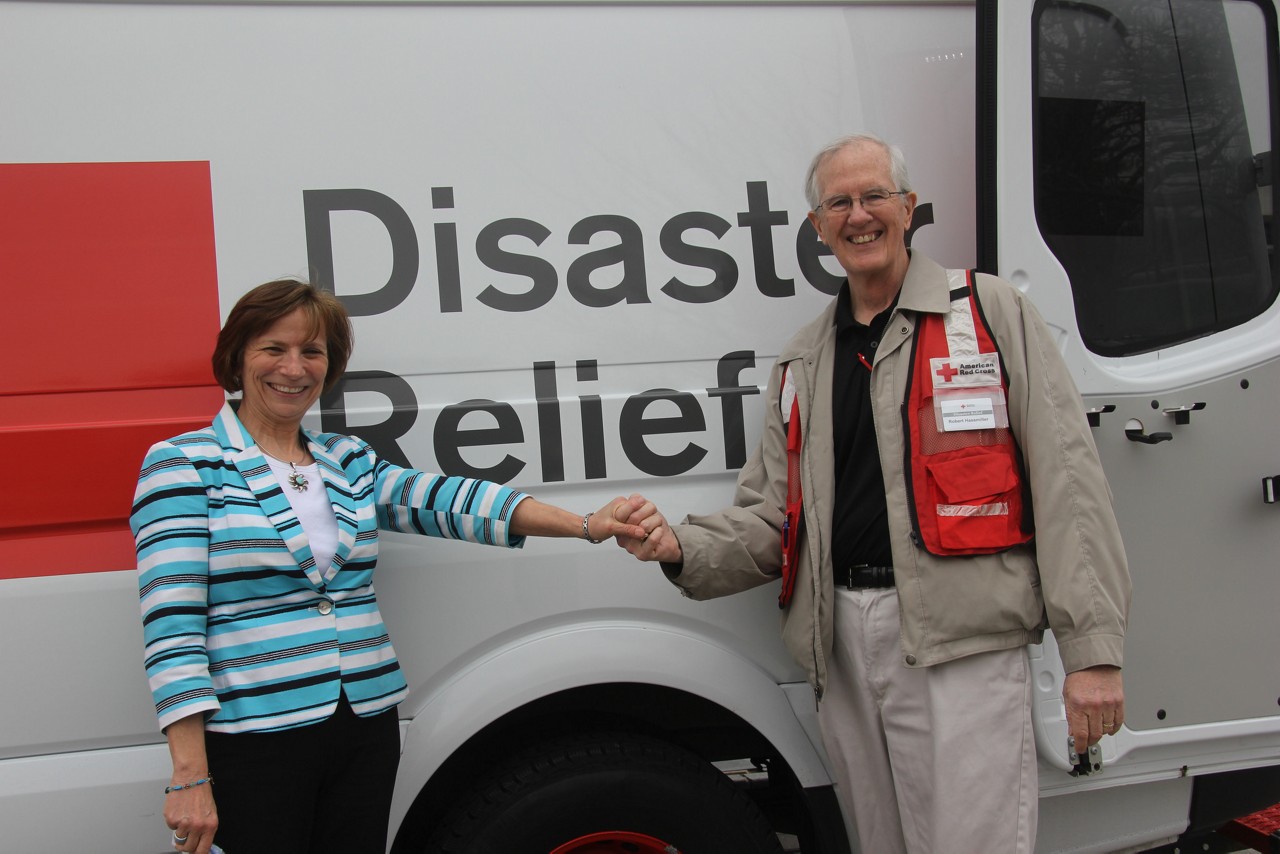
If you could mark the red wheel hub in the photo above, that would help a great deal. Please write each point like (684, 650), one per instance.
(616, 842)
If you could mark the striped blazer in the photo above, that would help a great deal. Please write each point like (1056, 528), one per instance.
(239, 623)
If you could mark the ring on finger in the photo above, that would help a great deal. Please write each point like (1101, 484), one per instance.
(178, 840)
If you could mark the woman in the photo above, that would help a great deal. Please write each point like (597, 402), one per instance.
(267, 657)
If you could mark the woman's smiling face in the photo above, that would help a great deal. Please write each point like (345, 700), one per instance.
(283, 372)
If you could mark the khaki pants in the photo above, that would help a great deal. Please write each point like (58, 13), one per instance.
(931, 760)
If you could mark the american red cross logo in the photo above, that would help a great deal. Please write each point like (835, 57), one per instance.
(946, 372)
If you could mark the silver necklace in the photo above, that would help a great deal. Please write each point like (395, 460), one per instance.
(298, 481)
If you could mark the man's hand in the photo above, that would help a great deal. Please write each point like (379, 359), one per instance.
(1094, 698)
(659, 542)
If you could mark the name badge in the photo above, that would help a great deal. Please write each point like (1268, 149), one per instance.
(967, 413)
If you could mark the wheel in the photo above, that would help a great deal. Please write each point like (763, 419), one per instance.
(604, 793)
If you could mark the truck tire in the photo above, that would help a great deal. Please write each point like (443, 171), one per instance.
(603, 792)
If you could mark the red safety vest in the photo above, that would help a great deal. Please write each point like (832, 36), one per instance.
(793, 520)
(964, 471)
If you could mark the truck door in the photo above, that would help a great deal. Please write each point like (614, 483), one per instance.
(1146, 130)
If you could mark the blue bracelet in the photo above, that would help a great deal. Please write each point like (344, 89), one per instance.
(191, 785)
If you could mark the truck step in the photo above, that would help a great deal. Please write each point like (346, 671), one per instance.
(1260, 831)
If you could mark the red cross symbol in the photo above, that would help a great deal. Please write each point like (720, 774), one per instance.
(946, 372)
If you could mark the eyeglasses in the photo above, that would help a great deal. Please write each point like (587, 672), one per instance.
(843, 204)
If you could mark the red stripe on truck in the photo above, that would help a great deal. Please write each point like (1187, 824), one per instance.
(111, 306)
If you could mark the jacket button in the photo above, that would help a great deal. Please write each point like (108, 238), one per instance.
(326, 607)
(911, 661)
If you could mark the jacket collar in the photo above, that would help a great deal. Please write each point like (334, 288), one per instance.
(925, 287)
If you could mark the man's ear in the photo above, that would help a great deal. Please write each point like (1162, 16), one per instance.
(816, 222)
(910, 199)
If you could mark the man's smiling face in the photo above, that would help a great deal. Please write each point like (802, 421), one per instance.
(868, 244)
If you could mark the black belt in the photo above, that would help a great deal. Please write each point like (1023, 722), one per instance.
(861, 575)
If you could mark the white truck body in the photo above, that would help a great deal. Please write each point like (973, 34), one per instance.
(572, 237)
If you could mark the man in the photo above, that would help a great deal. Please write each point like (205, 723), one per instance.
(934, 413)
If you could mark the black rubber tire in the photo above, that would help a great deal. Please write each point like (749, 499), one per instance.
(567, 787)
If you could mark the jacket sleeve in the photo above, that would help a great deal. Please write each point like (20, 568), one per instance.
(1084, 573)
(740, 547)
(455, 508)
(170, 523)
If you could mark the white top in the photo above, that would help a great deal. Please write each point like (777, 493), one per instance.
(313, 508)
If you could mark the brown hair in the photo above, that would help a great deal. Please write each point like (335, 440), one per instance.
(257, 310)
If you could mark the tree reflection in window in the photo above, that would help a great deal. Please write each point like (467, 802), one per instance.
(1147, 187)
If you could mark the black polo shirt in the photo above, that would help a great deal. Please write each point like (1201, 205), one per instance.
(860, 518)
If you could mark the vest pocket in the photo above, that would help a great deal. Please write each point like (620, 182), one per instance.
(972, 495)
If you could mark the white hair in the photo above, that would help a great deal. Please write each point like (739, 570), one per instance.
(897, 164)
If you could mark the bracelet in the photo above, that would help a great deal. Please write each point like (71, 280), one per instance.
(191, 785)
(586, 533)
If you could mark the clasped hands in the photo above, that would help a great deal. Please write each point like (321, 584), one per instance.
(658, 543)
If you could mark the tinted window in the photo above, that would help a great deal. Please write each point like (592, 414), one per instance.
(1153, 165)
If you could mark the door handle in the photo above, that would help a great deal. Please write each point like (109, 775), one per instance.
(1135, 432)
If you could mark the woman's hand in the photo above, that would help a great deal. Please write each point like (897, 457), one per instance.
(613, 521)
(193, 817)
(533, 518)
(190, 811)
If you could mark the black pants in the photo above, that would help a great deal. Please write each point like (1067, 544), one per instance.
(318, 789)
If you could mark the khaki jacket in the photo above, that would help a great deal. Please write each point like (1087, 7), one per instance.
(1072, 576)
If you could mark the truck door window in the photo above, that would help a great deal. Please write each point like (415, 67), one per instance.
(1153, 164)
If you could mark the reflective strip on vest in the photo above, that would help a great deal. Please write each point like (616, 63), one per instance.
(962, 337)
(998, 509)
(787, 396)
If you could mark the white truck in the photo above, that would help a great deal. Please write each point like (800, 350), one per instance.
(573, 238)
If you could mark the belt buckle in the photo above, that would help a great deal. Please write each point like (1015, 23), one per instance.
(874, 576)
(860, 570)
